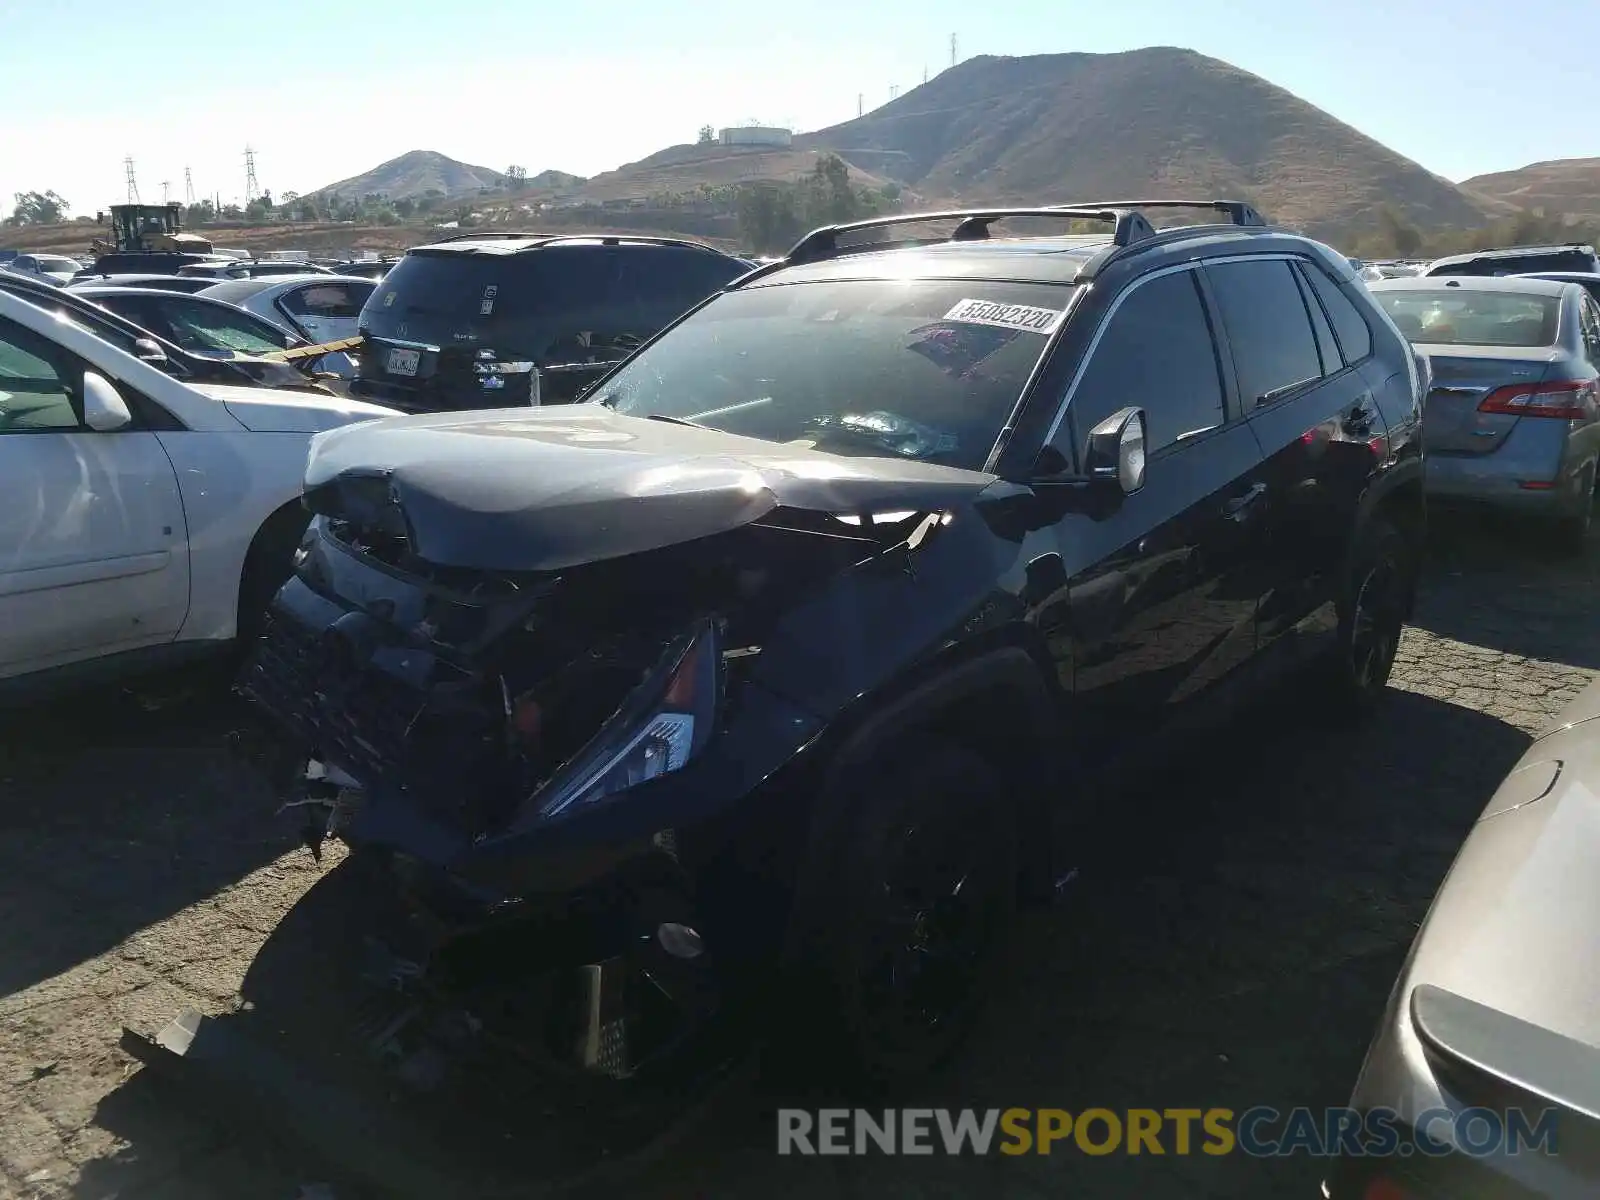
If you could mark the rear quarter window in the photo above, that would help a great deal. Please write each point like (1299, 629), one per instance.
(1349, 326)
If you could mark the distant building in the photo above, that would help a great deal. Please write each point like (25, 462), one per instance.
(756, 135)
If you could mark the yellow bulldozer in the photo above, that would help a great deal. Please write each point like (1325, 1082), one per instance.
(147, 228)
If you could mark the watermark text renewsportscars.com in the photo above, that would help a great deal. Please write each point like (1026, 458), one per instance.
(1261, 1132)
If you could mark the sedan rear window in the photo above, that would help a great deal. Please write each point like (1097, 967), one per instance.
(1458, 317)
(927, 369)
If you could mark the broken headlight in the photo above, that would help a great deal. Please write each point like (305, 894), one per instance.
(663, 725)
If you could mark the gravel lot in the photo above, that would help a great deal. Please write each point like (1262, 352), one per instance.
(1234, 952)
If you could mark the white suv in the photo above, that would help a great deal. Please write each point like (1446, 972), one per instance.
(143, 521)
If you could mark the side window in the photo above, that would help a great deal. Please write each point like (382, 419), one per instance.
(1589, 322)
(1355, 336)
(1327, 346)
(36, 392)
(1269, 330)
(1180, 387)
(200, 327)
(140, 311)
(327, 300)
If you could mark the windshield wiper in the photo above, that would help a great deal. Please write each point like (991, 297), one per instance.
(675, 420)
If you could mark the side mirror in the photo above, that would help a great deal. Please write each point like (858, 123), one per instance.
(1116, 451)
(149, 350)
(104, 410)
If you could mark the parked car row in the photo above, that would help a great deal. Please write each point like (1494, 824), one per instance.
(147, 512)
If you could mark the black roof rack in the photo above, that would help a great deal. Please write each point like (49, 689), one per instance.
(1129, 224)
(1237, 211)
(972, 225)
(1523, 249)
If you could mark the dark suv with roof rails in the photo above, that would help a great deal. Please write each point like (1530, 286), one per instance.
(494, 320)
(796, 650)
(1518, 260)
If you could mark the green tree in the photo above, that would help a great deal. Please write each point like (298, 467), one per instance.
(516, 177)
(39, 208)
(1404, 237)
(707, 135)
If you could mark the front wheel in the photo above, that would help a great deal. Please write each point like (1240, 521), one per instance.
(1380, 578)
(926, 888)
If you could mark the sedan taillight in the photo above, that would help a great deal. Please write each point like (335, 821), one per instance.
(1567, 400)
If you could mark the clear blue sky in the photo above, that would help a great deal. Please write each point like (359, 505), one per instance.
(327, 89)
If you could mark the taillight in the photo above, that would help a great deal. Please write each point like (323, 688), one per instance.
(1380, 1188)
(1564, 399)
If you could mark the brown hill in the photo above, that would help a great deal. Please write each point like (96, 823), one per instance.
(413, 174)
(1060, 127)
(1561, 185)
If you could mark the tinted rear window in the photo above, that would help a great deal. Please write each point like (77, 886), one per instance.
(1458, 317)
(534, 301)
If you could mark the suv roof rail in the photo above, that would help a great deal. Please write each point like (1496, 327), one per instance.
(972, 225)
(1237, 211)
(610, 239)
(480, 235)
(615, 239)
(1524, 249)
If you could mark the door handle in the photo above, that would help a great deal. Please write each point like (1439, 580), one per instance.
(1237, 507)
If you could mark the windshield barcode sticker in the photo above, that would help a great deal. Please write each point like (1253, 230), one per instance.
(1007, 316)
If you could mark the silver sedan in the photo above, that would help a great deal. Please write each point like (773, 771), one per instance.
(319, 308)
(1513, 419)
(1486, 1066)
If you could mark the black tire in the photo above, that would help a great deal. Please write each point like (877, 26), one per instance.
(1571, 533)
(1375, 596)
(922, 896)
(267, 568)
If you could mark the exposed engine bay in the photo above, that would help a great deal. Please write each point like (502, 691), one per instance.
(434, 715)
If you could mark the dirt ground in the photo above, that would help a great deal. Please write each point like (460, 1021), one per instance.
(1235, 951)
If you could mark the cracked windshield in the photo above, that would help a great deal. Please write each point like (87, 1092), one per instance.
(708, 608)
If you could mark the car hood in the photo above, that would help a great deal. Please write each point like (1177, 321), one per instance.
(1516, 926)
(546, 489)
(273, 410)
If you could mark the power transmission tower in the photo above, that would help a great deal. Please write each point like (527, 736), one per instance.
(953, 44)
(894, 90)
(133, 186)
(252, 189)
(924, 74)
(861, 100)
(188, 187)
(166, 191)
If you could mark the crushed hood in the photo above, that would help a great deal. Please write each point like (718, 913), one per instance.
(274, 410)
(546, 489)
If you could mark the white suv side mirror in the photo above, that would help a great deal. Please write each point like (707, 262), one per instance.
(104, 410)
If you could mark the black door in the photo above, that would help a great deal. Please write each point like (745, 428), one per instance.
(1161, 593)
(1310, 406)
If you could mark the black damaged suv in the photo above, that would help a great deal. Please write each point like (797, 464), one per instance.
(793, 653)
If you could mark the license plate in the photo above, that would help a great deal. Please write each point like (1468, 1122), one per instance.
(403, 362)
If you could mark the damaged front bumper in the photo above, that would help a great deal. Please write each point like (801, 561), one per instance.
(611, 935)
